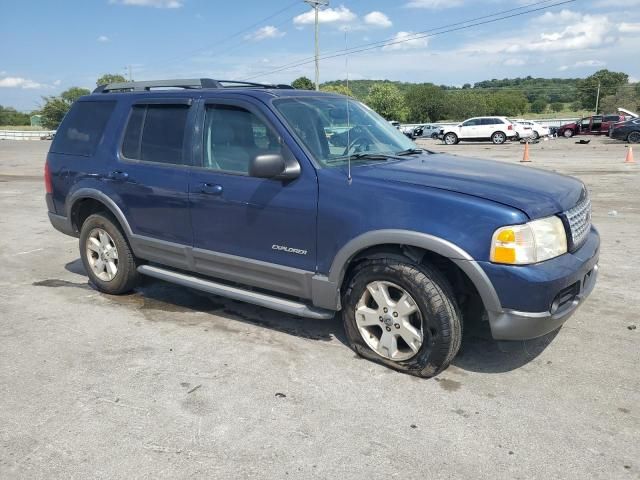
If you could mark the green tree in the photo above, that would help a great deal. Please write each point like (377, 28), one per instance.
(462, 104)
(303, 83)
(576, 106)
(425, 103)
(539, 105)
(506, 103)
(386, 99)
(340, 89)
(624, 97)
(73, 93)
(10, 116)
(110, 78)
(55, 108)
(557, 107)
(609, 83)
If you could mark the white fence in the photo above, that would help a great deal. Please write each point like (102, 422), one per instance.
(26, 134)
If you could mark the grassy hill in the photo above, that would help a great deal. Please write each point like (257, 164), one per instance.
(551, 89)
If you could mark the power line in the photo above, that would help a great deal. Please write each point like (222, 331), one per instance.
(232, 36)
(425, 34)
(411, 37)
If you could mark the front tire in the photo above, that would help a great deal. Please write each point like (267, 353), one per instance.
(568, 133)
(536, 135)
(402, 315)
(450, 138)
(106, 255)
(498, 138)
(634, 137)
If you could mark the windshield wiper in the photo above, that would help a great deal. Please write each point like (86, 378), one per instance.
(365, 156)
(410, 151)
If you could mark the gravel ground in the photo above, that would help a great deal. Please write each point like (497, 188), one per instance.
(168, 382)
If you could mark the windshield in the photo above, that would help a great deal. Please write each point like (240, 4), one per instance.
(335, 129)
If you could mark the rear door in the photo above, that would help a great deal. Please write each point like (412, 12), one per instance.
(487, 127)
(256, 231)
(151, 176)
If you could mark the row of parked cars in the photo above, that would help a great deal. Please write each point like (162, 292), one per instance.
(495, 129)
(624, 126)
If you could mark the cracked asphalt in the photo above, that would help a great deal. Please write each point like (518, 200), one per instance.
(172, 383)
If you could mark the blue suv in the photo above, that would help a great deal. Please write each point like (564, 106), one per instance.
(311, 204)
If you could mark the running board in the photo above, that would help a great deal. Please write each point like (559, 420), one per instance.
(269, 301)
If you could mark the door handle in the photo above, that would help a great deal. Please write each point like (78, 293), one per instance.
(119, 175)
(211, 189)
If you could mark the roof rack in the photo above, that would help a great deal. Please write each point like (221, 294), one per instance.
(193, 83)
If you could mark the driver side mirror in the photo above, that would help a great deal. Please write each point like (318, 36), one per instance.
(273, 165)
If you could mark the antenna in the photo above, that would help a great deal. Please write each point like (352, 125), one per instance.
(346, 66)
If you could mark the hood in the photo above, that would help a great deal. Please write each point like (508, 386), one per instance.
(537, 193)
(628, 112)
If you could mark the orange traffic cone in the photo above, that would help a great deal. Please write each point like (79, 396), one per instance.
(629, 158)
(525, 157)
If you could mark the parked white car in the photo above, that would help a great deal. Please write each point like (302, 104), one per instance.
(495, 129)
(536, 130)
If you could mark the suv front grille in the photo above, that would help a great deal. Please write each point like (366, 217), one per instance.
(578, 222)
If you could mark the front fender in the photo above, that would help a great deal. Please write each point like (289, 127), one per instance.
(327, 289)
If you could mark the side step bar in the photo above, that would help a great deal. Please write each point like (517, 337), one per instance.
(269, 301)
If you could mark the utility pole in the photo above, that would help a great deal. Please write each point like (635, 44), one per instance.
(316, 4)
(598, 97)
(130, 76)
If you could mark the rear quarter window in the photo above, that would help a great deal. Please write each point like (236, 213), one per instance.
(82, 128)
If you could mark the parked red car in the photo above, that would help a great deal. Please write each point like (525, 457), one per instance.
(593, 125)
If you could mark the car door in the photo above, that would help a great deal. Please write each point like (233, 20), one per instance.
(596, 125)
(488, 126)
(470, 129)
(150, 177)
(256, 231)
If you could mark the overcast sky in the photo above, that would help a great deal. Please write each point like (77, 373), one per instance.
(50, 46)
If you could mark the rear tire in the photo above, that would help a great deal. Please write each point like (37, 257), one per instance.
(106, 255)
(451, 138)
(634, 137)
(421, 329)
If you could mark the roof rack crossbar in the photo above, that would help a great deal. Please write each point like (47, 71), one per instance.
(194, 83)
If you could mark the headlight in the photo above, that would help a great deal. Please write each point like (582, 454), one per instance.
(529, 243)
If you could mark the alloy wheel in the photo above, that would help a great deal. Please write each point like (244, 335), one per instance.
(102, 254)
(389, 321)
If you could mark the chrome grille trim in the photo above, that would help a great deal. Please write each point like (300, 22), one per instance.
(578, 220)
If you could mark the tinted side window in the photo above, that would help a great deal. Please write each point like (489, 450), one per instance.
(233, 136)
(471, 123)
(82, 128)
(131, 142)
(155, 133)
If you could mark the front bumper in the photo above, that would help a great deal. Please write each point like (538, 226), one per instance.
(538, 299)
